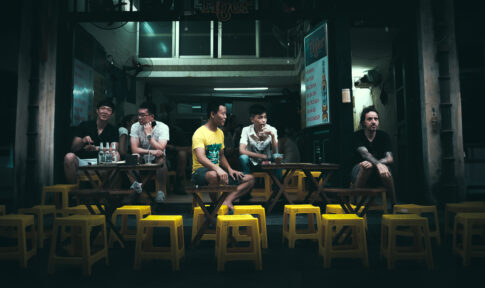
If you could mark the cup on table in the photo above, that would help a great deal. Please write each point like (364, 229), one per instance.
(148, 158)
(278, 158)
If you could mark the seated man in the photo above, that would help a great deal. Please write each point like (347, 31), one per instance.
(208, 157)
(148, 136)
(258, 140)
(372, 154)
(88, 136)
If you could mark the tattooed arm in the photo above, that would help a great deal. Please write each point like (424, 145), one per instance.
(367, 156)
(388, 159)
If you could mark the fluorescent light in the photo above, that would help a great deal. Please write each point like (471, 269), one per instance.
(242, 89)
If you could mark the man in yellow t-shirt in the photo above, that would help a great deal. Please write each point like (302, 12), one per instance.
(208, 157)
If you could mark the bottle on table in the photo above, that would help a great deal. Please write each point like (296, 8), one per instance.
(114, 156)
(107, 153)
(101, 158)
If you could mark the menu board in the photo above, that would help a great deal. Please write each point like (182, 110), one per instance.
(82, 93)
(317, 110)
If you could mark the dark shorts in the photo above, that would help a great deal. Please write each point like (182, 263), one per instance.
(374, 179)
(198, 178)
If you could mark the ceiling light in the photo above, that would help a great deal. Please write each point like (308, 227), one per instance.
(242, 89)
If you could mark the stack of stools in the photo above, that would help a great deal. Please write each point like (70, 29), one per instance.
(258, 211)
(420, 210)
(328, 246)
(3, 210)
(145, 250)
(469, 206)
(289, 226)
(226, 225)
(468, 225)
(337, 209)
(24, 229)
(198, 220)
(41, 211)
(262, 192)
(391, 225)
(79, 229)
(139, 211)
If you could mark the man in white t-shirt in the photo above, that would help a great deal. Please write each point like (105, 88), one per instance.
(258, 141)
(148, 136)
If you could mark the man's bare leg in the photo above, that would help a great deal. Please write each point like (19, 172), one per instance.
(243, 188)
(388, 183)
(212, 179)
(71, 165)
(362, 176)
(162, 174)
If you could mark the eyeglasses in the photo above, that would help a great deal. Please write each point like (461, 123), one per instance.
(106, 108)
(142, 115)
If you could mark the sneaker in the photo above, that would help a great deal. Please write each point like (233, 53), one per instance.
(136, 186)
(160, 197)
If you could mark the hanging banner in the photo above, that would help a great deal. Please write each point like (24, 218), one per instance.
(82, 93)
(317, 110)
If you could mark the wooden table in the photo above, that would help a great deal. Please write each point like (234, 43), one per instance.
(105, 194)
(326, 170)
(211, 212)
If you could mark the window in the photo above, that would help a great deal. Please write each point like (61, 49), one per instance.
(273, 42)
(155, 39)
(238, 38)
(195, 38)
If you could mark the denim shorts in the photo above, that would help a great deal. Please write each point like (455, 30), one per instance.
(198, 178)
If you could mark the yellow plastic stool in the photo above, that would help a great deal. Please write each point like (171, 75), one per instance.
(226, 223)
(61, 190)
(80, 230)
(144, 241)
(469, 206)
(81, 177)
(262, 192)
(40, 211)
(337, 209)
(257, 211)
(420, 210)
(389, 232)
(20, 252)
(198, 220)
(469, 224)
(301, 183)
(2, 210)
(80, 210)
(331, 224)
(289, 227)
(139, 211)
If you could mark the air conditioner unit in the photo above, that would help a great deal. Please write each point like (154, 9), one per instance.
(370, 78)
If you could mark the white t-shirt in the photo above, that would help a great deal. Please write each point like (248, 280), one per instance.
(253, 143)
(160, 132)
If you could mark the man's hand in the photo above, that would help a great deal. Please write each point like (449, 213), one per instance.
(148, 128)
(157, 153)
(383, 170)
(222, 175)
(236, 175)
(87, 140)
(366, 164)
(89, 147)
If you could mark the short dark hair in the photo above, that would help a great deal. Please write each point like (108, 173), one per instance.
(152, 109)
(126, 119)
(106, 102)
(365, 111)
(213, 106)
(256, 109)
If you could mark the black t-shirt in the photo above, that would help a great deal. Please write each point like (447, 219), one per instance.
(378, 147)
(89, 128)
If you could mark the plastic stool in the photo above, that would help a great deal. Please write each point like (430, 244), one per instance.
(301, 183)
(289, 227)
(422, 243)
(198, 220)
(2, 210)
(83, 224)
(331, 224)
(21, 223)
(420, 210)
(257, 211)
(470, 224)
(80, 210)
(144, 245)
(223, 231)
(81, 177)
(139, 211)
(40, 211)
(262, 192)
(470, 206)
(59, 189)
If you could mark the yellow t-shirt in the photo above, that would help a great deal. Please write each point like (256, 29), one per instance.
(212, 142)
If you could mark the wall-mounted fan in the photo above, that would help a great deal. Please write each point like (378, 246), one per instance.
(134, 65)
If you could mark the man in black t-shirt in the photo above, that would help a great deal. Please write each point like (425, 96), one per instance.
(88, 136)
(372, 154)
